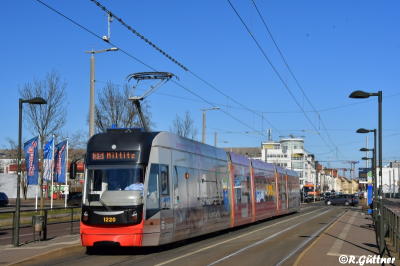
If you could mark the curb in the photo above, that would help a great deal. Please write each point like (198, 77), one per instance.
(59, 252)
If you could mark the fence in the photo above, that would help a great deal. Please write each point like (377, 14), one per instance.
(45, 219)
(392, 221)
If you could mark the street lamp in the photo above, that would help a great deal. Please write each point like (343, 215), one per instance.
(204, 121)
(36, 100)
(363, 95)
(91, 108)
(375, 201)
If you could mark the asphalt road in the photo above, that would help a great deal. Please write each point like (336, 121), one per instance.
(30, 204)
(26, 234)
(275, 241)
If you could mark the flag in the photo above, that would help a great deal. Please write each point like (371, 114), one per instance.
(59, 159)
(32, 160)
(47, 160)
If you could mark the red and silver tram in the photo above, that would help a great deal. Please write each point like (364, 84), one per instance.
(189, 189)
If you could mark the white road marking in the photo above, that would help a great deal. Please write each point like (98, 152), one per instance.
(223, 242)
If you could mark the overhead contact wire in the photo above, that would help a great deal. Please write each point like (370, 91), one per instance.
(148, 66)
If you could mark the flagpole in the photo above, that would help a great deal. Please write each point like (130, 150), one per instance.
(38, 176)
(52, 170)
(66, 178)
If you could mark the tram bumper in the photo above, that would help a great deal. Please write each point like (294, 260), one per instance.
(129, 240)
(124, 236)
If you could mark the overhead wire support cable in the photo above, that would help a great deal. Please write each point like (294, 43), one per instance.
(279, 76)
(138, 34)
(288, 68)
(147, 65)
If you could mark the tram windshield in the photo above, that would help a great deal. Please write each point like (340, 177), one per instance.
(115, 178)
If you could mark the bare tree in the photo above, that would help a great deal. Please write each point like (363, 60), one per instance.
(184, 127)
(77, 142)
(114, 107)
(47, 118)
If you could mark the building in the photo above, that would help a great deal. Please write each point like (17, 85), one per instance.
(290, 153)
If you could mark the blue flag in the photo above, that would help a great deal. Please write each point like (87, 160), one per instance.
(32, 160)
(59, 159)
(47, 160)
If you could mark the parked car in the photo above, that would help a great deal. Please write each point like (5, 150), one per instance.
(344, 199)
(354, 199)
(3, 199)
(328, 194)
(318, 197)
(361, 195)
(322, 196)
(75, 200)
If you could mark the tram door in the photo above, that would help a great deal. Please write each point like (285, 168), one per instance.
(181, 200)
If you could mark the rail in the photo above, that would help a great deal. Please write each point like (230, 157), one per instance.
(46, 210)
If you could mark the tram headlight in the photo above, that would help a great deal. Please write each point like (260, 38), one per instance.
(134, 216)
(85, 216)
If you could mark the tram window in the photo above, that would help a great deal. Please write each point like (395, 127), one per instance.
(214, 193)
(179, 172)
(97, 180)
(165, 197)
(260, 189)
(164, 180)
(203, 187)
(153, 198)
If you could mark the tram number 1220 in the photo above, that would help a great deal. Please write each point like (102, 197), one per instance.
(109, 219)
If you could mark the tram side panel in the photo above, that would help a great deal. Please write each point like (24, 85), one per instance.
(281, 190)
(294, 191)
(199, 186)
(265, 194)
(242, 191)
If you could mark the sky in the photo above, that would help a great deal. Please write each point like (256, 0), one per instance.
(295, 66)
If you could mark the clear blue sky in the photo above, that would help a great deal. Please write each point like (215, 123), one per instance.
(332, 48)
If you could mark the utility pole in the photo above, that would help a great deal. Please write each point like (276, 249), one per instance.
(204, 121)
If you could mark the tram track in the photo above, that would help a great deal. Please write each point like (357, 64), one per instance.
(265, 239)
(211, 248)
(295, 250)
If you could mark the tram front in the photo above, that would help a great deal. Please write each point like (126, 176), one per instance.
(112, 202)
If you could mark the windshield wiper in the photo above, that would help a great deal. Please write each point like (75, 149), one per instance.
(105, 206)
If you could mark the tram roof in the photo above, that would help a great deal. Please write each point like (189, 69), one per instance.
(116, 141)
(169, 140)
(262, 165)
(292, 173)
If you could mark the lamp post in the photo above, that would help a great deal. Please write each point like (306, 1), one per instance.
(36, 100)
(363, 95)
(91, 108)
(204, 121)
(374, 197)
(363, 130)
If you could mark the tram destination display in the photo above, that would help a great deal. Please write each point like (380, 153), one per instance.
(110, 156)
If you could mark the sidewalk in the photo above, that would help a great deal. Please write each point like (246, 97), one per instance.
(32, 252)
(352, 234)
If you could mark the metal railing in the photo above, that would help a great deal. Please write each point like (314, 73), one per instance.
(391, 222)
(13, 227)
